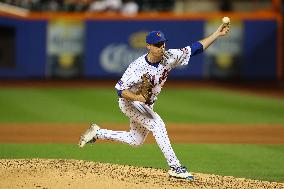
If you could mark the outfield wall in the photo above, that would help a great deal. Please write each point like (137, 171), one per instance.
(101, 46)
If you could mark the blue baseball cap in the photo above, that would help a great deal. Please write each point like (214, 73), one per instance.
(155, 37)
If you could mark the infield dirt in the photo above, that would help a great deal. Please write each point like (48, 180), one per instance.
(58, 174)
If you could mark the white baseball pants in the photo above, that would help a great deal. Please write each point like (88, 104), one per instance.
(140, 126)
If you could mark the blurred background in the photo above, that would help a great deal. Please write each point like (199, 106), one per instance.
(97, 39)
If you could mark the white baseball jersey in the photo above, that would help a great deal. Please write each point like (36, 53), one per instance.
(141, 125)
(131, 78)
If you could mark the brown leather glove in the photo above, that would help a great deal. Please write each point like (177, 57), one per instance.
(145, 89)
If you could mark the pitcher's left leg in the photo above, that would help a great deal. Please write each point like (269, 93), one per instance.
(159, 131)
(158, 128)
(161, 136)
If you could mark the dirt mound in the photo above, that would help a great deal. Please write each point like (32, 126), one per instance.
(44, 173)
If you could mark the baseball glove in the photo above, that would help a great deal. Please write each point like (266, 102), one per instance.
(145, 89)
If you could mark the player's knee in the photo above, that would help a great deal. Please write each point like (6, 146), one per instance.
(137, 143)
(158, 127)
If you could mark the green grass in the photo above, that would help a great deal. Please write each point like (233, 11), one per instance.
(59, 105)
(204, 106)
(263, 162)
(174, 105)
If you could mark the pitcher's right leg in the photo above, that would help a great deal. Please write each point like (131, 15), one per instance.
(134, 137)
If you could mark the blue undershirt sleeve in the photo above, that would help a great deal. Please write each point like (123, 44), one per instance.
(119, 93)
(196, 48)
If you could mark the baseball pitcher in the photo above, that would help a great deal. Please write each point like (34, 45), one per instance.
(138, 89)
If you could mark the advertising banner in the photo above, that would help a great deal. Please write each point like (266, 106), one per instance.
(223, 58)
(112, 45)
(65, 48)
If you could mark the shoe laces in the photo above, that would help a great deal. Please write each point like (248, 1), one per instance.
(180, 169)
(93, 140)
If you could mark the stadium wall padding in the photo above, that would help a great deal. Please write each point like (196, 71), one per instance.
(120, 40)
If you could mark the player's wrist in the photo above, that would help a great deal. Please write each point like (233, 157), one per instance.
(216, 34)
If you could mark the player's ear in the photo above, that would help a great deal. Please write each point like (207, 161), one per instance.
(148, 46)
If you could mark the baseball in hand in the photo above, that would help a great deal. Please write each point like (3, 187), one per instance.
(226, 20)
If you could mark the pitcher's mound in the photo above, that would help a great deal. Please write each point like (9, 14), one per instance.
(45, 173)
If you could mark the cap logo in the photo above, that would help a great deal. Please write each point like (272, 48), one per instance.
(159, 34)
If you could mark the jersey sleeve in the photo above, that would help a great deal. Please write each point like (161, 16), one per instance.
(196, 48)
(179, 57)
(128, 79)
